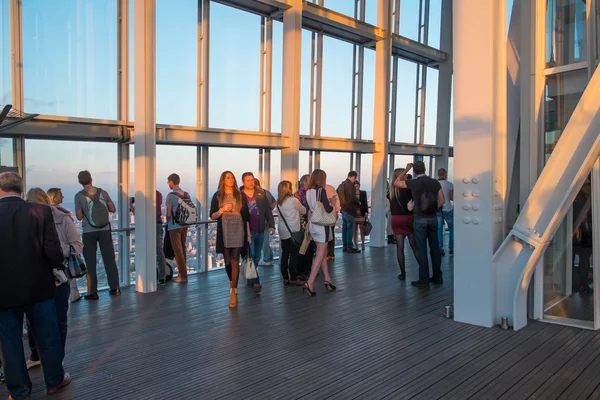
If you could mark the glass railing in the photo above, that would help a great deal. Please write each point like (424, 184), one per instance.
(194, 255)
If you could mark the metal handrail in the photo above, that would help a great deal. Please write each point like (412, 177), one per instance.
(132, 228)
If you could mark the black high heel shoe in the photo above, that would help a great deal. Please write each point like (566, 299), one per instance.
(329, 286)
(307, 289)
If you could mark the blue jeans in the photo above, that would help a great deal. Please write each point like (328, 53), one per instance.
(426, 230)
(447, 216)
(255, 253)
(61, 301)
(45, 328)
(348, 230)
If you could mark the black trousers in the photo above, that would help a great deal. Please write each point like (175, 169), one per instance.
(305, 260)
(289, 260)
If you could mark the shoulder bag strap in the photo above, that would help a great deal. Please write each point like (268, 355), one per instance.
(284, 221)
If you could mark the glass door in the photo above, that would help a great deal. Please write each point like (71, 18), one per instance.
(570, 268)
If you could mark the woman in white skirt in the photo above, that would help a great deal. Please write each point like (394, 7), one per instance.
(320, 234)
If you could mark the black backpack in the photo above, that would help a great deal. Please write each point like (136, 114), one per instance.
(429, 202)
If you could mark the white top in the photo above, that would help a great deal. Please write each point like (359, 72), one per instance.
(292, 210)
(447, 186)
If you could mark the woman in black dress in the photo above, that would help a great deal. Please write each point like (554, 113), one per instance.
(230, 209)
(401, 206)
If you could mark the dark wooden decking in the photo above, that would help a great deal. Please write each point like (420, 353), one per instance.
(374, 338)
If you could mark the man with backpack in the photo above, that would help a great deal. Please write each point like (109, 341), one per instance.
(349, 204)
(428, 198)
(181, 211)
(92, 208)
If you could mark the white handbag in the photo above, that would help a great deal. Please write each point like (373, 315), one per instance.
(321, 217)
(248, 269)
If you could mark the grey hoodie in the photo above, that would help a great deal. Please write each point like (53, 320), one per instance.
(70, 242)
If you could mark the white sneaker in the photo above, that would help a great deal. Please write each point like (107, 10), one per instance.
(32, 364)
(266, 264)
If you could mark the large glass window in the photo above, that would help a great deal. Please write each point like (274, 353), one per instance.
(431, 101)
(406, 101)
(47, 167)
(177, 61)
(435, 23)
(69, 57)
(180, 160)
(276, 171)
(409, 19)
(568, 272)
(6, 155)
(336, 166)
(566, 37)
(347, 8)
(368, 95)
(337, 88)
(305, 70)
(5, 71)
(234, 68)
(563, 92)
(277, 75)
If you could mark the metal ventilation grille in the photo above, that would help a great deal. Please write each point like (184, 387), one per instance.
(10, 117)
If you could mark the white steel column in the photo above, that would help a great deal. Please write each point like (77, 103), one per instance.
(123, 149)
(444, 88)
(16, 49)
(383, 57)
(123, 210)
(290, 115)
(18, 102)
(479, 131)
(202, 195)
(145, 144)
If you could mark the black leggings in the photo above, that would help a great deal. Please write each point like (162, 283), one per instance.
(232, 264)
(400, 250)
(289, 260)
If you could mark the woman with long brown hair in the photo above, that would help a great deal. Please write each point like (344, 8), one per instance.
(401, 206)
(290, 212)
(230, 209)
(320, 234)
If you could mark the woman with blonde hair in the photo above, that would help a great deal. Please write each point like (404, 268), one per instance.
(401, 207)
(320, 234)
(70, 243)
(230, 209)
(56, 199)
(290, 212)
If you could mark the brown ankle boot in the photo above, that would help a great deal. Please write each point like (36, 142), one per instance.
(232, 298)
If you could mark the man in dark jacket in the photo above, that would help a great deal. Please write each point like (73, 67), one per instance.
(30, 251)
(261, 217)
(349, 203)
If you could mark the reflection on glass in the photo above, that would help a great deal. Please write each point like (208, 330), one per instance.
(563, 92)
(7, 161)
(565, 32)
(568, 277)
(70, 57)
(5, 70)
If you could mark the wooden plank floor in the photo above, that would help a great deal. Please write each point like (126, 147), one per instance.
(375, 338)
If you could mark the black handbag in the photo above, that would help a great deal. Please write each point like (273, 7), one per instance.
(297, 236)
(76, 266)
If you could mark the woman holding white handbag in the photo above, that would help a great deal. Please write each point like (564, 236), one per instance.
(322, 218)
